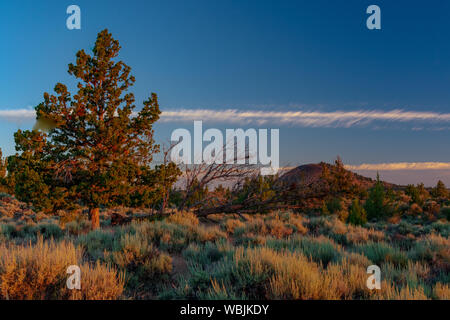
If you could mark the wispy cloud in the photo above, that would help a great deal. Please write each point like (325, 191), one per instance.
(343, 119)
(401, 166)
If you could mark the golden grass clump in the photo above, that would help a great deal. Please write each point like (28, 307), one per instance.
(39, 272)
(278, 229)
(441, 291)
(294, 276)
(204, 234)
(35, 271)
(358, 235)
(231, 224)
(188, 219)
(99, 282)
(390, 292)
(346, 280)
(339, 227)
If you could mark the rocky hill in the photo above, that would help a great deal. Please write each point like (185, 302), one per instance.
(311, 174)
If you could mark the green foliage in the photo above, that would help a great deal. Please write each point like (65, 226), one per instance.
(381, 252)
(31, 231)
(96, 242)
(320, 249)
(413, 192)
(255, 192)
(142, 262)
(375, 205)
(440, 191)
(31, 173)
(98, 149)
(357, 215)
(417, 193)
(445, 211)
(334, 205)
(198, 194)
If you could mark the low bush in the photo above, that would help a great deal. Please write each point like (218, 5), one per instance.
(39, 272)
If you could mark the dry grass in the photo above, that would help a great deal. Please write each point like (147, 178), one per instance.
(183, 219)
(280, 255)
(39, 272)
(99, 282)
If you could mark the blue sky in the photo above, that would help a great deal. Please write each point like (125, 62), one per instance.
(260, 56)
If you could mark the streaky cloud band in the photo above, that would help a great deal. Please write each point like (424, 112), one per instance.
(343, 119)
(401, 166)
(337, 119)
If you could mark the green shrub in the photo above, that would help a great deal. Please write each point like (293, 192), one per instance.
(432, 249)
(96, 242)
(144, 264)
(445, 211)
(78, 227)
(320, 249)
(382, 252)
(50, 230)
(9, 231)
(357, 214)
(29, 231)
(334, 205)
(208, 253)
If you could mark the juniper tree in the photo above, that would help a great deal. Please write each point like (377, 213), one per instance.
(417, 193)
(30, 173)
(99, 148)
(357, 215)
(376, 203)
(339, 180)
(440, 191)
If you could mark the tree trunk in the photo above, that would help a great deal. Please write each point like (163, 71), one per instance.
(164, 202)
(94, 213)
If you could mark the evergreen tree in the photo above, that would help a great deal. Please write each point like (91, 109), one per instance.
(375, 204)
(417, 193)
(99, 148)
(31, 173)
(413, 192)
(440, 191)
(357, 214)
(423, 191)
(343, 177)
(339, 181)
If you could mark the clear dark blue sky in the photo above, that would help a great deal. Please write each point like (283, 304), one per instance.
(255, 55)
